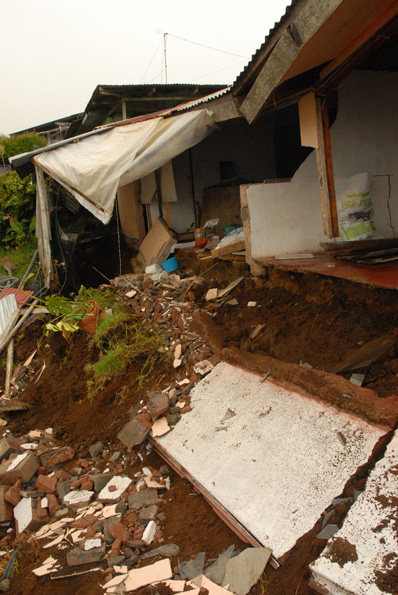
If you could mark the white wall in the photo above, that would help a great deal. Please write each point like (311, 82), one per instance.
(364, 138)
(251, 148)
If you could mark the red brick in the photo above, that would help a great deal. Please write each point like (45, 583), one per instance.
(12, 495)
(46, 484)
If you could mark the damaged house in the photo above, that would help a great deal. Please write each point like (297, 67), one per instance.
(301, 152)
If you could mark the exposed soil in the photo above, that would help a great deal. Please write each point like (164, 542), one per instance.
(307, 318)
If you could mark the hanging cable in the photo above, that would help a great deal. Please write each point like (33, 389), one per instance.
(215, 72)
(151, 60)
(207, 46)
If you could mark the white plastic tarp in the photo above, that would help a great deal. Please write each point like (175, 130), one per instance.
(94, 167)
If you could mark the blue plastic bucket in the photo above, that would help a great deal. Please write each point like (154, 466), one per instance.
(170, 265)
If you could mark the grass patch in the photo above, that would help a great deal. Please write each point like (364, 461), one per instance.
(21, 257)
(120, 342)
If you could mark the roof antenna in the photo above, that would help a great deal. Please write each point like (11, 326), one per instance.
(165, 56)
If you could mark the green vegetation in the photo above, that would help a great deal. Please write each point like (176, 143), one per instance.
(17, 209)
(21, 257)
(120, 342)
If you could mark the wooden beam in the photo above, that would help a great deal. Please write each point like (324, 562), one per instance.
(365, 36)
(325, 170)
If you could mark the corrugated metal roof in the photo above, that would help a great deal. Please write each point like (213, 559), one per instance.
(271, 32)
(167, 112)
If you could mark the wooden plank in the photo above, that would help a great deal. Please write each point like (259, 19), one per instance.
(168, 214)
(325, 171)
(308, 121)
(228, 249)
(365, 36)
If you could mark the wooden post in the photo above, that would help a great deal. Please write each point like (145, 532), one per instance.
(325, 170)
(159, 191)
(168, 214)
(10, 359)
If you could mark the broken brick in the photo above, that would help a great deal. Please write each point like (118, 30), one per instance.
(47, 484)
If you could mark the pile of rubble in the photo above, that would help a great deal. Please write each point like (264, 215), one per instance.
(96, 513)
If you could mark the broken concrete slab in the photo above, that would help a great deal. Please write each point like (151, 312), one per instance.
(328, 531)
(155, 573)
(78, 498)
(114, 488)
(244, 571)
(364, 552)
(22, 467)
(149, 532)
(280, 505)
(133, 433)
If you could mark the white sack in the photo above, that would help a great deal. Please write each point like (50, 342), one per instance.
(355, 208)
(94, 167)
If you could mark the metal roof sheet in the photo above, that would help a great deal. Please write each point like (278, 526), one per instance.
(271, 32)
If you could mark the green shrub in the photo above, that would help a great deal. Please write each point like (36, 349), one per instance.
(14, 145)
(17, 208)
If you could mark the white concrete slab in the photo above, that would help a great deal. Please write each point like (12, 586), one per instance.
(370, 530)
(278, 463)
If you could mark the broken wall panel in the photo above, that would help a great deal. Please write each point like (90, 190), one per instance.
(273, 458)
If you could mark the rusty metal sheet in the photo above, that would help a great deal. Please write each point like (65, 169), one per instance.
(21, 296)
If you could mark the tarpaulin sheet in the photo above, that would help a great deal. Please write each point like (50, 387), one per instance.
(94, 167)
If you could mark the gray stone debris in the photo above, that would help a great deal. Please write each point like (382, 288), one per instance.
(95, 449)
(169, 549)
(216, 571)
(328, 531)
(192, 568)
(243, 571)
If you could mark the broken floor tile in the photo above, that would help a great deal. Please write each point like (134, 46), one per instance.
(49, 565)
(155, 573)
(202, 581)
(158, 404)
(361, 557)
(160, 427)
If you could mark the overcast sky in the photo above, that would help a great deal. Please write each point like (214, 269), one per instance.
(55, 52)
